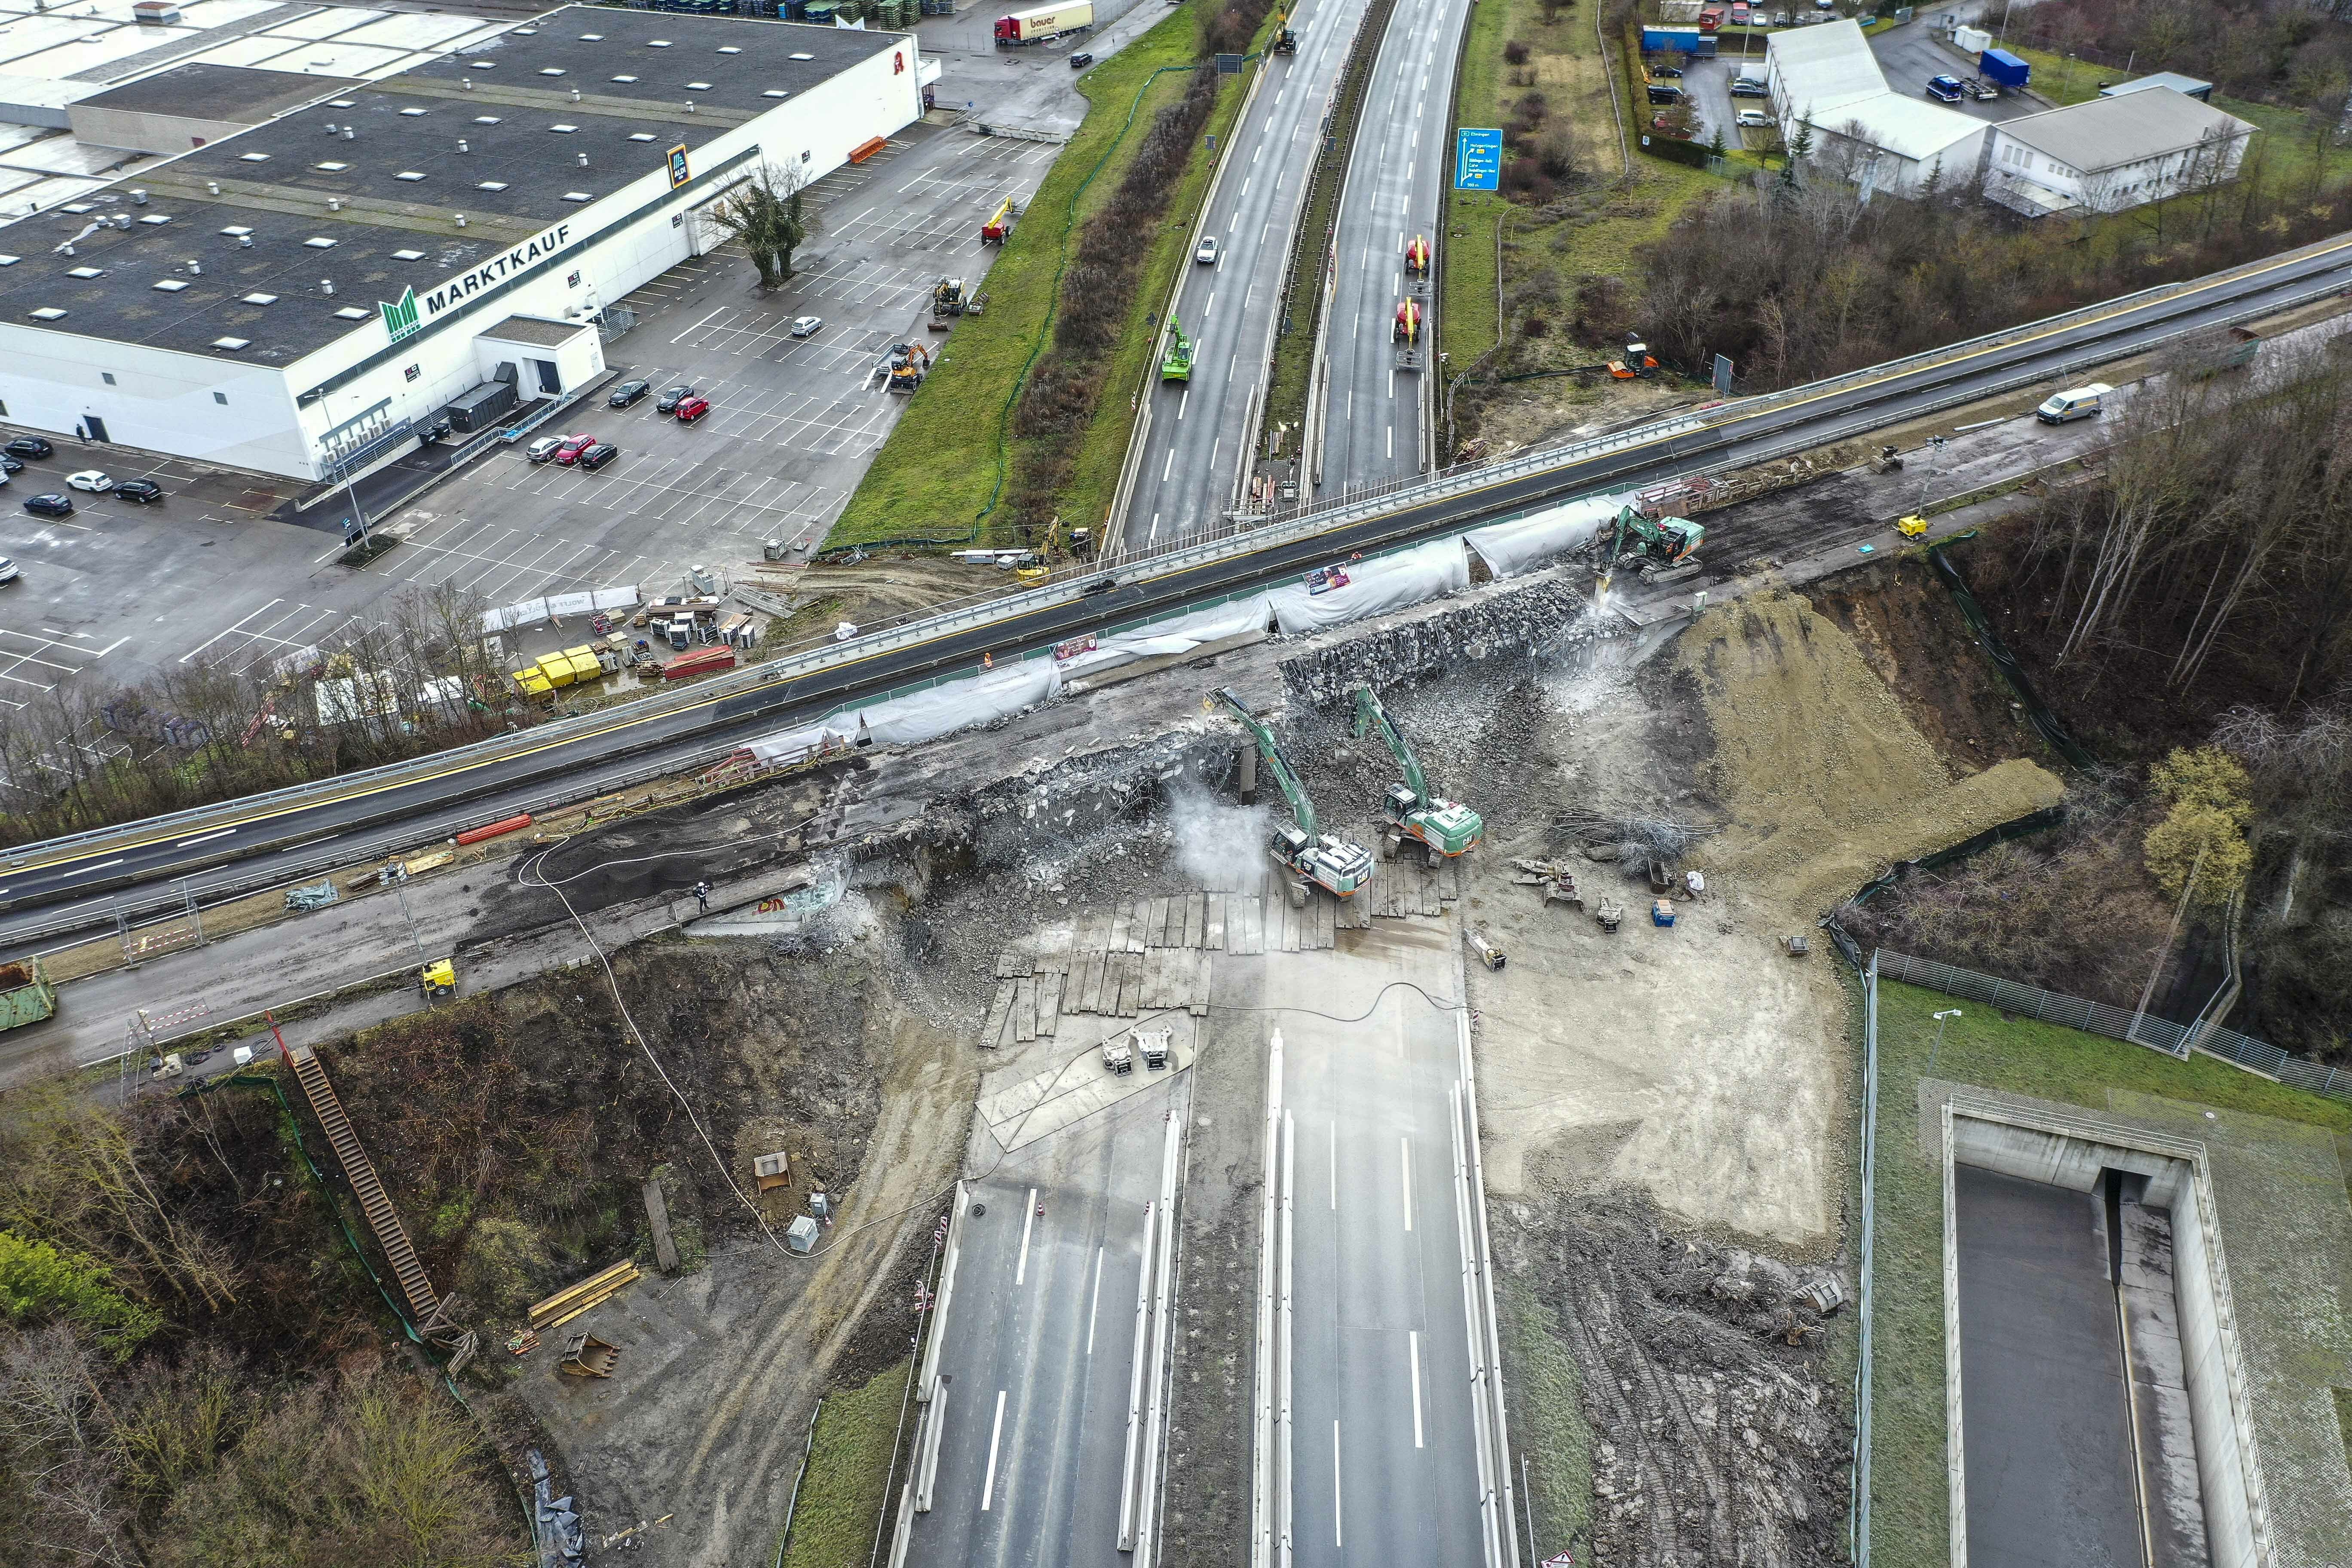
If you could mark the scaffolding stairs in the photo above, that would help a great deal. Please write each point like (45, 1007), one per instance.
(360, 1172)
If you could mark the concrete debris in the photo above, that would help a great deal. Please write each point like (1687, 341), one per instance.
(1527, 620)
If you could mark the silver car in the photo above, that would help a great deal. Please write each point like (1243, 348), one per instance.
(806, 326)
(543, 448)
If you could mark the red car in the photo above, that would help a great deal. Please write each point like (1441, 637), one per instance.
(569, 453)
(692, 409)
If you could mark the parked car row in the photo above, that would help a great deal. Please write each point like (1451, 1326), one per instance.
(22, 449)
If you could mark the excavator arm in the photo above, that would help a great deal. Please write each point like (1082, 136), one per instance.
(1302, 810)
(1370, 715)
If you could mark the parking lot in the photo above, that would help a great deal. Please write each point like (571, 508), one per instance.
(1912, 53)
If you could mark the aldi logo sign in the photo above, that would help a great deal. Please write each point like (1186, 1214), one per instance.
(400, 319)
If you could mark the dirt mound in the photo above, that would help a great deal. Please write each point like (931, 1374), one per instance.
(1825, 776)
(1713, 1439)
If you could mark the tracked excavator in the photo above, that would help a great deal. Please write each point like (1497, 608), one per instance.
(1335, 865)
(1443, 827)
(1656, 543)
(1176, 360)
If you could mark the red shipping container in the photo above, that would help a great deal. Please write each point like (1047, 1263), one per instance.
(700, 663)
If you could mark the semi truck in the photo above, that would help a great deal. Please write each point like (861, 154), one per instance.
(1042, 24)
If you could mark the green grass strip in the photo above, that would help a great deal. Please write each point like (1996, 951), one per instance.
(841, 1497)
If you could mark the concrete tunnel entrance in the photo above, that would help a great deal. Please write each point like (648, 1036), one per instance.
(2083, 1433)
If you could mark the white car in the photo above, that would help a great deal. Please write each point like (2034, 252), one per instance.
(91, 479)
(539, 451)
(1207, 254)
(8, 573)
(806, 326)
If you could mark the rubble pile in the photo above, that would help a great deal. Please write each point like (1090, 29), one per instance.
(1520, 621)
(1720, 1437)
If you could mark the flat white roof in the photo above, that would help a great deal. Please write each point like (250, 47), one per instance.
(1906, 126)
(1823, 68)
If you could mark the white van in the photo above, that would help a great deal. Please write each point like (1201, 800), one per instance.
(2080, 403)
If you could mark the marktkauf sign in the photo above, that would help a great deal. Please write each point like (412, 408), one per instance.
(412, 311)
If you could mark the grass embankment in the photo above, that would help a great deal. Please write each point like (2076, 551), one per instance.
(947, 464)
(1567, 252)
(1980, 1047)
(841, 1497)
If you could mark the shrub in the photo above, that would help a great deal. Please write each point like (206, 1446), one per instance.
(1515, 52)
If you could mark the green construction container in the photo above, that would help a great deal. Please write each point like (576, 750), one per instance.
(26, 995)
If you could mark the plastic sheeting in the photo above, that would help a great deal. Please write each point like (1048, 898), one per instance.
(530, 612)
(1511, 548)
(1375, 587)
(922, 715)
(1178, 634)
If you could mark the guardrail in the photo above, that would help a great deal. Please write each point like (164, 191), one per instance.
(1068, 586)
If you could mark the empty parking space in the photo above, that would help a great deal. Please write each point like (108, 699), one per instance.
(35, 662)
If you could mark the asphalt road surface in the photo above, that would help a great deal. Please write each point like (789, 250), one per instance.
(2047, 1419)
(366, 813)
(1200, 428)
(1383, 1461)
(1040, 1344)
(1373, 412)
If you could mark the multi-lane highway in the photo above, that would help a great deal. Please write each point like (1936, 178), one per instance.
(1201, 429)
(1372, 412)
(366, 812)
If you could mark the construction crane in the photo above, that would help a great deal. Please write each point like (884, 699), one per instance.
(1444, 827)
(1176, 362)
(1334, 865)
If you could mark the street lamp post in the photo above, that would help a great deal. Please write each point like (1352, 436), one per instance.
(351, 490)
(1947, 1013)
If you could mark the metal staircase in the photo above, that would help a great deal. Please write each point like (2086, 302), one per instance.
(360, 1172)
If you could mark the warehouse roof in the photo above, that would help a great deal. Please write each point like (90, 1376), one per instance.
(2189, 84)
(1906, 126)
(1824, 66)
(229, 250)
(238, 93)
(2110, 132)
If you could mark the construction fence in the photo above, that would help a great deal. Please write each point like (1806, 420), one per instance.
(2117, 1022)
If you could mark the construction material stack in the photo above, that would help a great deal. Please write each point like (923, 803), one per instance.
(1444, 828)
(1338, 866)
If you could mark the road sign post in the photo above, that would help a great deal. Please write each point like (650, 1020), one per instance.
(1477, 159)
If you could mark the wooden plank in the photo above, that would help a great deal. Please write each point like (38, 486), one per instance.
(1011, 964)
(1198, 1002)
(657, 1217)
(1054, 952)
(1356, 913)
(1147, 983)
(1289, 924)
(1095, 935)
(1430, 904)
(1326, 923)
(1025, 1010)
(1167, 922)
(1213, 923)
(1130, 984)
(1196, 919)
(1449, 879)
(991, 1033)
(1156, 977)
(1049, 1001)
(1256, 925)
(1121, 918)
(1089, 983)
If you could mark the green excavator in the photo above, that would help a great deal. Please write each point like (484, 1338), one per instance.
(1657, 543)
(1334, 865)
(1176, 362)
(1444, 827)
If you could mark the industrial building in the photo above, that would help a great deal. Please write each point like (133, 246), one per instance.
(299, 293)
(2110, 153)
(1826, 78)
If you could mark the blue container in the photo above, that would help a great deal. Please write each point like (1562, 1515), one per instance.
(2001, 66)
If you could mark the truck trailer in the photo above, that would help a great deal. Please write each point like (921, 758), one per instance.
(1042, 24)
(2004, 70)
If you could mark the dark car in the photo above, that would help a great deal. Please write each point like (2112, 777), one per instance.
(30, 446)
(597, 456)
(692, 409)
(1081, 60)
(10, 465)
(1944, 88)
(1670, 73)
(628, 391)
(672, 398)
(1665, 92)
(146, 492)
(1746, 88)
(48, 505)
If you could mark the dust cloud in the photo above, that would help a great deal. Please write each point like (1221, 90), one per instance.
(1218, 844)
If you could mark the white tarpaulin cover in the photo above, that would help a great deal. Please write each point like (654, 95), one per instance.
(1375, 587)
(1178, 634)
(922, 715)
(1511, 548)
(530, 612)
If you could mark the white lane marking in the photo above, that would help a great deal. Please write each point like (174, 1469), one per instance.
(1021, 1269)
(691, 330)
(1168, 467)
(1337, 1538)
(1097, 1307)
(224, 631)
(1391, 440)
(1155, 524)
(1404, 1143)
(1412, 1343)
(1183, 404)
(1335, 1165)
(204, 838)
(1229, 369)
(988, 1487)
(86, 871)
(1214, 448)
(1210, 306)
